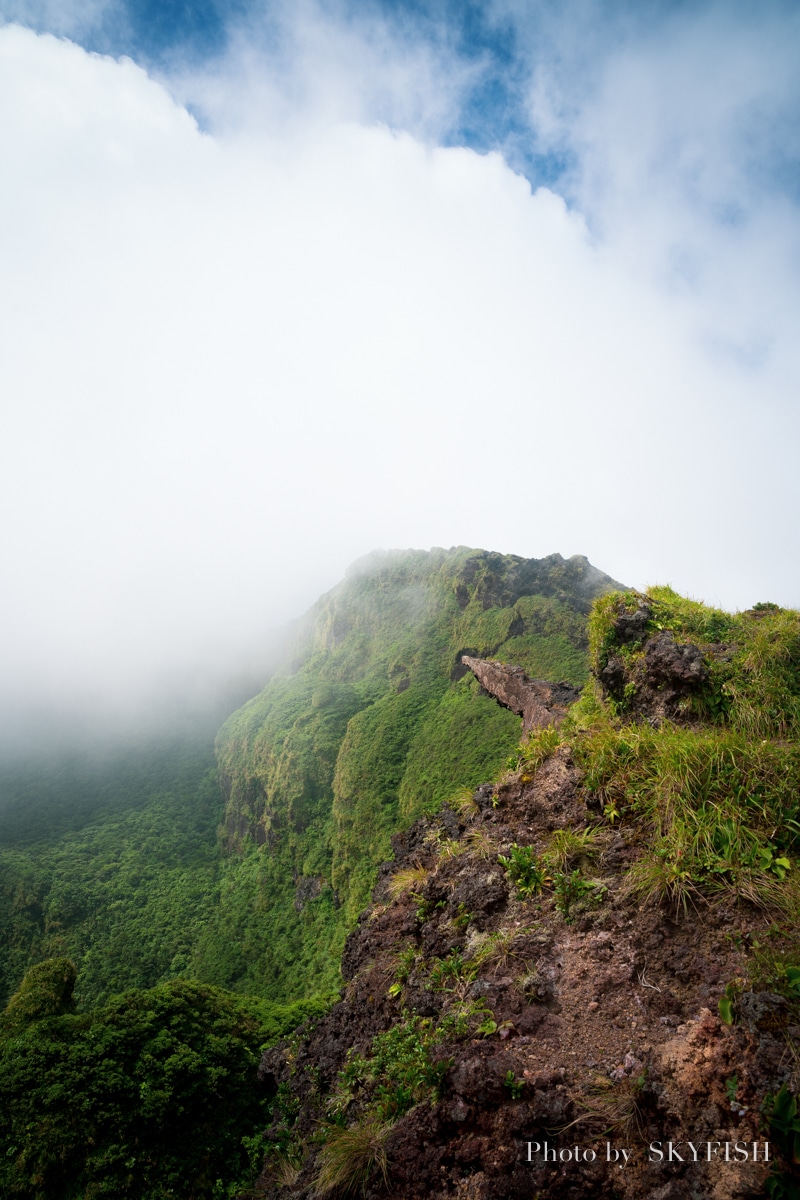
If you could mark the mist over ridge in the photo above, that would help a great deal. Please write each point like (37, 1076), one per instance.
(286, 285)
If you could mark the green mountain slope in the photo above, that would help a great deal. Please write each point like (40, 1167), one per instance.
(372, 722)
(112, 858)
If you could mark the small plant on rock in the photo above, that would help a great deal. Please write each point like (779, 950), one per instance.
(514, 1085)
(447, 971)
(405, 962)
(524, 868)
(569, 888)
(462, 919)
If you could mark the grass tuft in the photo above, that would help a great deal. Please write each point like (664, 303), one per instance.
(351, 1156)
(465, 805)
(568, 847)
(407, 879)
(481, 845)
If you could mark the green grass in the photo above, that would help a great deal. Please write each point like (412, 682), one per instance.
(721, 808)
(566, 847)
(719, 800)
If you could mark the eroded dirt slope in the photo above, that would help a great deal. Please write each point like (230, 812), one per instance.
(584, 1021)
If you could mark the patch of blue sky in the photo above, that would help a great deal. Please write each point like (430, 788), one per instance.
(194, 28)
(155, 32)
(491, 117)
(493, 112)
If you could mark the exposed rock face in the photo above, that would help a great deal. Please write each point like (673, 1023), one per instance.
(661, 679)
(308, 887)
(535, 700)
(632, 627)
(680, 666)
(603, 1030)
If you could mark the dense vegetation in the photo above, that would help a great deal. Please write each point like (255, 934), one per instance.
(152, 1095)
(138, 1077)
(125, 896)
(112, 857)
(133, 1076)
(373, 721)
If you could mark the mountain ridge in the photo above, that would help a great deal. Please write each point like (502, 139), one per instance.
(372, 720)
(590, 964)
(598, 945)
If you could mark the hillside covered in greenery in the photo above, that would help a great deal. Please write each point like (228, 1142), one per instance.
(559, 947)
(111, 856)
(142, 894)
(373, 721)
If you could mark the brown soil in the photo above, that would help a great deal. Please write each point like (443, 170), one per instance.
(606, 1023)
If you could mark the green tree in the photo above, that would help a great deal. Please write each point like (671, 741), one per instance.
(147, 1097)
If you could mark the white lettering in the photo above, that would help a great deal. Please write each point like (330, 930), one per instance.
(655, 1148)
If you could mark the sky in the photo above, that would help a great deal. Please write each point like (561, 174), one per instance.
(286, 282)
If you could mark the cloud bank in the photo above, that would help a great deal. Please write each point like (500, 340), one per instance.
(240, 353)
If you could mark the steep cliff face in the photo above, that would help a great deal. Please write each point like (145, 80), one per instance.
(585, 977)
(374, 720)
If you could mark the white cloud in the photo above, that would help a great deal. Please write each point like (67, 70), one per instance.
(232, 363)
(682, 128)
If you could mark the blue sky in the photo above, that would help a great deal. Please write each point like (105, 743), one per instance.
(286, 282)
(505, 43)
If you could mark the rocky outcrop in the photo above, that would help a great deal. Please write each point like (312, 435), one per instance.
(593, 1033)
(535, 700)
(652, 674)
